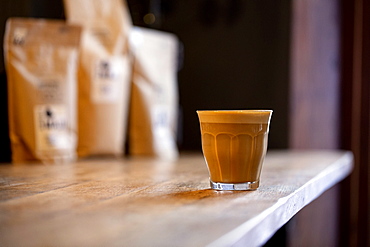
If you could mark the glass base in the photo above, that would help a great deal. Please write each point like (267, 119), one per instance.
(234, 186)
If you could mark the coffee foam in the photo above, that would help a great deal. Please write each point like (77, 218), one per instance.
(235, 116)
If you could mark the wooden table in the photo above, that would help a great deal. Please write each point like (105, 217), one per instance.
(147, 202)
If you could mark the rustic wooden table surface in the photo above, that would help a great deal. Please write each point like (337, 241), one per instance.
(147, 202)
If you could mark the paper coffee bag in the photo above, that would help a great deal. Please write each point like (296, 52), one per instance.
(41, 64)
(154, 99)
(104, 74)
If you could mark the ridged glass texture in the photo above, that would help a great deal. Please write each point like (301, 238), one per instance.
(234, 152)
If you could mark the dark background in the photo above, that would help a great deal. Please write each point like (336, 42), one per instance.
(235, 56)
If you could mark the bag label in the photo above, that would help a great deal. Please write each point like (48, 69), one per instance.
(107, 80)
(161, 128)
(51, 127)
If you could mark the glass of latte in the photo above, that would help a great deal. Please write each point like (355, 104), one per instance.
(234, 145)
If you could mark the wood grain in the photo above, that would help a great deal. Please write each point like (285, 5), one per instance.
(145, 202)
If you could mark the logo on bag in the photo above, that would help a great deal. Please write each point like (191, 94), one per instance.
(108, 80)
(105, 70)
(51, 129)
(49, 120)
(19, 36)
(49, 113)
